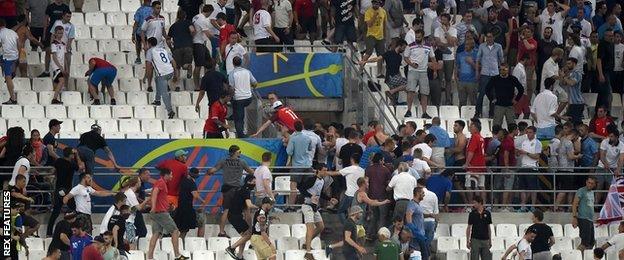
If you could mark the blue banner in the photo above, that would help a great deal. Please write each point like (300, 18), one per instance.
(298, 75)
(202, 153)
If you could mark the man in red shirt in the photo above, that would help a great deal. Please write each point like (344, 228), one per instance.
(305, 18)
(475, 160)
(283, 115)
(598, 124)
(507, 159)
(371, 131)
(92, 251)
(224, 32)
(216, 122)
(162, 223)
(179, 170)
(101, 71)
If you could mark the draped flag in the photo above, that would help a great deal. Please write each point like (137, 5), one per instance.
(614, 203)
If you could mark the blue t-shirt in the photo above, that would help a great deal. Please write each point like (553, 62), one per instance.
(586, 204)
(368, 154)
(439, 185)
(418, 218)
(140, 15)
(589, 148)
(466, 72)
(442, 137)
(78, 244)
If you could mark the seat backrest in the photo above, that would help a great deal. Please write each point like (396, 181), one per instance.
(457, 254)
(442, 230)
(277, 231)
(27, 98)
(151, 126)
(218, 243)
(136, 255)
(19, 122)
(556, 229)
(100, 112)
(42, 84)
(34, 111)
(95, 19)
(77, 112)
(507, 229)
(282, 183)
(194, 243)
(287, 243)
(174, 126)
(194, 125)
(40, 124)
(446, 244)
(298, 230)
(294, 254)
(129, 126)
(122, 112)
(115, 19)
(34, 243)
(201, 254)
(570, 231)
(458, 230)
(571, 255)
(167, 246)
(55, 111)
(187, 112)
(108, 125)
(144, 112)
(11, 111)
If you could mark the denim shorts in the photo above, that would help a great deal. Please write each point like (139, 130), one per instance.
(546, 133)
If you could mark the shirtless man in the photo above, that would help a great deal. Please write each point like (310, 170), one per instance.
(23, 32)
(457, 151)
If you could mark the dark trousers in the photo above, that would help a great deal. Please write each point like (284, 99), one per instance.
(575, 112)
(586, 232)
(139, 224)
(56, 210)
(379, 218)
(285, 38)
(483, 81)
(239, 116)
(605, 95)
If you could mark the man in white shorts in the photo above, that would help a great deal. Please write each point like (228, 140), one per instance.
(417, 57)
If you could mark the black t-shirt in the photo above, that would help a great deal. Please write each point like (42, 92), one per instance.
(350, 226)
(15, 200)
(238, 204)
(212, 83)
(47, 140)
(344, 11)
(480, 224)
(118, 220)
(64, 174)
(256, 227)
(185, 199)
(181, 34)
(606, 53)
(540, 243)
(62, 227)
(93, 140)
(393, 62)
(498, 29)
(544, 50)
(55, 12)
(346, 151)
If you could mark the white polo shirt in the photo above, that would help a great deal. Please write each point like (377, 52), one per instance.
(21, 162)
(421, 167)
(419, 54)
(426, 150)
(231, 51)
(403, 185)
(544, 105)
(533, 147)
(241, 79)
(429, 204)
(439, 33)
(352, 174)
(8, 40)
(82, 196)
(201, 24)
(613, 153)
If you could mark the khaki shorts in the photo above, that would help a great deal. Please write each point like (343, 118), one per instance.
(417, 81)
(162, 223)
(309, 215)
(262, 248)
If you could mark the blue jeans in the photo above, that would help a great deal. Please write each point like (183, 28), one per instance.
(430, 228)
(483, 81)
(423, 247)
(545, 133)
(343, 208)
(214, 45)
(239, 116)
(88, 157)
(162, 90)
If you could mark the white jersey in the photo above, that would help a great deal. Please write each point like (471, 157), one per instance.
(261, 20)
(58, 49)
(8, 41)
(69, 30)
(82, 196)
(154, 27)
(213, 16)
(201, 24)
(160, 59)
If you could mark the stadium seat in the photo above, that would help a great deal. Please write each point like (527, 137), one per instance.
(129, 6)
(136, 98)
(110, 46)
(299, 230)
(601, 241)
(195, 126)
(40, 124)
(187, 112)
(159, 136)
(33, 58)
(507, 229)
(42, 84)
(21, 122)
(556, 229)
(497, 254)
(136, 135)
(161, 255)
(523, 227)
(46, 241)
(100, 112)
(463, 243)
(109, 6)
(124, 33)
(613, 228)
(249, 254)
(218, 243)
(108, 125)
(211, 230)
(174, 126)
(136, 255)
(129, 126)
(442, 230)
(143, 244)
(294, 254)
(71, 98)
(77, 112)
(83, 125)
(601, 231)
(144, 112)
(570, 231)
(562, 244)
(151, 126)
(11, 111)
(511, 241)
(286, 243)
(498, 243)
(69, 135)
(316, 243)
(194, 243)
(457, 254)
(182, 135)
(447, 112)
(34, 243)
(467, 112)
(445, 244)
(181, 99)
(77, 58)
(170, 6)
(571, 255)
(122, 112)
(77, 18)
(125, 71)
(116, 58)
(45, 97)
(167, 246)
(3, 126)
(34, 111)
(83, 32)
(230, 231)
(114, 135)
(27, 98)
(35, 254)
(68, 125)
(234, 239)
(588, 254)
(55, 112)
(277, 231)
(116, 19)
(21, 84)
(95, 19)
(129, 85)
(282, 183)
(458, 230)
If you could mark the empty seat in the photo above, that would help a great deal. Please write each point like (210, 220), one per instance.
(11, 111)
(95, 19)
(40, 124)
(108, 125)
(55, 112)
(218, 243)
(27, 98)
(277, 231)
(77, 18)
(129, 126)
(181, 99)
(129, 6)
(116, 19)
(299, 230)
(116, 58)
(167, 246)
(174, 126)
(83, 125)
(467, 112)
(447, 112)
(34, 111)
(83, 32)
(509, 230)
(100, 112)
(110, 46)
(109, 6)
(102, 32)
(45, 97)
(294, 254)
(458, 230)
(34, 243)
(3, 126)
(77, 112)
(124, 33)
(442, 230)
(136, 98)
(445, 244)
(143, 244)
(136, 135)
(161, 255)
(282, 183)
(194, 243)
(42, 84)
(136, 255)
(125, 71)
(601, 231)
(498, 243)
(144, 112)
(195, 125)
(129, 85)
(457, 254)
(35, 254)
(183, 135)
(114, 135)
(287, 243)
(122, 111)
(68, 125)
(21, 84)
(562, 244)
(556, 229)
(69, 135)
(19, 122)
(187, 112)
(570, 231)
(159, 136)
(151, 126)
(199, 254)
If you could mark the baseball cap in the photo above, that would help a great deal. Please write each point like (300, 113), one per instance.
(99, 239)
(355, 210)
(95, 127)
(179, 153)
(276, 104)
(54, 122)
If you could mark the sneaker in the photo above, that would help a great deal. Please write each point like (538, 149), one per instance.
(10, 102)
(137, 61)
(328, 251)
(230, 251)
(223, 235)
(182, 257)
(113, 101)
(96, 102)
(150, 89)
(171, 115)
(426, 116)
(56, 102)
(408, 114)
(326, 43)
(308, 256)
(177, 89)
(43, 74)
(156, 103)
(381, 76)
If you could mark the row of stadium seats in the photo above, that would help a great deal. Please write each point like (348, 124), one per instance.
(126, 6)
(72, 98)
(513, 230)
(97, 112)
(200, 254)
(80, 84)
(462, 254)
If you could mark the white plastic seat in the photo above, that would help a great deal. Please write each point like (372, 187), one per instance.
(114, 135)
(194, 243)
(282, 184)
(187, 112)
(125, 71)
(34, 111)
(102, 32)
(447, 112)
(446, 244)
(108, 125)
(277, 231)
(200, 254)
(249, 254)
(100, 112)
(129, 6)
(35, 254)
(77, 112)
(116, 58)
(83, 125)
(34, 243)
(109, 46)
(3, 126)
(562, 244)
(498, 243)
(27, 98)
(55, 112)
(68, 125)
(124, 33)
(161, 255)
(136, 255)
(601, 241)
(82, 32)
(144, 112)
(181, 99)
(143, 244)
(233, 240)
(158, 136)
(40, 124)
(457, 254)
(11, 111)
(19, 122)
(122, 111)
(45, 97)
(299, 230)
(287, 243)
(590, 99)
(613, 228)
(129, 85)
(69, 135)
(151, 126)
(116, 19)
(21, 84)
(136, 98)
(129, 126)
(556, 229)
(95, 19)
(109, 6)
(467, 112)
(167, 246)
(174, 126)
(77, 18)
(507, 229)
(46, 241)
(77, 71)
(33, 58)
(294, 254)
(458, 230)
(218, 243)
(41, 84)
(570, 231)
(442, 230)
(601, 231)
(195, 125)
(183, 135)
(136, 135)
(588, 254)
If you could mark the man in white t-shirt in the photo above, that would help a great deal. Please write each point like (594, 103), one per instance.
(446, 38)
(58, 66)
(263, 29)
(351, 175)
(616, 240)
(241, 80)
(10, 54)
(234, 49)
(158, 59)
(529, 152)
(81, 194)
(429, 16)
(419, 165)
(264, 178)
(611, 157)
(427, 149)
(154, 26)
(202, 34)
(69, 34)
(523, 247)
(218, 7)
(22, 166)
(551, 18)
(402, 186)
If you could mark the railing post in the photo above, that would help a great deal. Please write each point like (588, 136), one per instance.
(554, 188)
(491, 189)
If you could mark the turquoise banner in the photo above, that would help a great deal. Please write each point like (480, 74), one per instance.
(299, 75)
(202, 153)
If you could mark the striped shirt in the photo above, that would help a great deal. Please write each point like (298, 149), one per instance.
(574, 92)
(419, 54)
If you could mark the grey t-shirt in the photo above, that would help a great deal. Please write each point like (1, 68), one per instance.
(564, 149)
(232, 170)
(37, 12)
